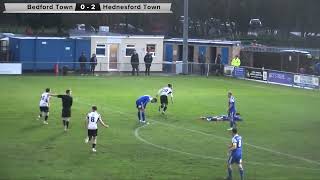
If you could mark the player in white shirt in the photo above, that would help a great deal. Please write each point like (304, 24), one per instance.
(164, 93)
(44, 105)
(92, 125)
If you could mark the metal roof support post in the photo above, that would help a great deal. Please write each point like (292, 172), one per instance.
(281, 68)
(185, 38)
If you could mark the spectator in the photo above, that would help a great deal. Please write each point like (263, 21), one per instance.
(135, 63)
(218, 66)
(29, 31)
(236, 61)
(93, 63)
(202, 62)
(302, 70)
(82, 61)
(148, 61)
(317, 68)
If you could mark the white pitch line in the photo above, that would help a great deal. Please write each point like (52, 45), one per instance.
(224, 138)
(137, 135)
(254, 146)
(281, 178)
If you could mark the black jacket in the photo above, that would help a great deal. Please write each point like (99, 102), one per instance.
(218, 60)
(135, 59)
(93, 61)
(82, 59)
(201, 58)
(148, 58)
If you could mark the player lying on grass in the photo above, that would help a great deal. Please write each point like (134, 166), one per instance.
(237, 117)
(141, 105)
(93, 118)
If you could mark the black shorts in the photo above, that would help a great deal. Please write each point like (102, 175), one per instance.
(44, 109)
(92, 132)
(164, 99)
(66, 113)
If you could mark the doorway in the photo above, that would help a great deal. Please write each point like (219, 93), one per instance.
(180, 52)
(213, 55)
(191, 54)
(113, 56)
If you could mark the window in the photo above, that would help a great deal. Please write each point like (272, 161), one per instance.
(4, 46)
(152, 49)
(129, 50)
(101, 50)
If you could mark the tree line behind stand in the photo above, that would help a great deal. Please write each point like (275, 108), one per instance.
(208, 19)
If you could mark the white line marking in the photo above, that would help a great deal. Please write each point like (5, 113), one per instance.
(220, 137)
(282, 178)
(137, 135)
(254, 146)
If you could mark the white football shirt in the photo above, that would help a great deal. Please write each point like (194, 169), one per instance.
(166, 91)
(44, 99)
(93, 118)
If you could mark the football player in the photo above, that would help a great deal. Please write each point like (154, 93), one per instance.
(93, 118)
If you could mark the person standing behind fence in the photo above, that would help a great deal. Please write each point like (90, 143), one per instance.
(317, 68)
(93, 63)
(135, 63)
(236, 61)
(218, 66)
(82, 61)
(202, 62)
(148, 61)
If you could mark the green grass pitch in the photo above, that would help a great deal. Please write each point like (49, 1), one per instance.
(280, 131)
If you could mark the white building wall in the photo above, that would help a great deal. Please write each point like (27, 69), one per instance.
(140, 46)
(140, 43)
(102, 60)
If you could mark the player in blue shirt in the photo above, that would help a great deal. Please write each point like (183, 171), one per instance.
(141, 105)
(235, 154)
(231, 110)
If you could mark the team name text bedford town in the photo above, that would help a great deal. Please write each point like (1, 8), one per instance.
(50, 7)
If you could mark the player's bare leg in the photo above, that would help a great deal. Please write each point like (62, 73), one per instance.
(94, 143)
(229, 177)
(46, 116)
(141, 115)
(65, 123)
(241, 171)
(88, 139)
(165, 108)
(160, 108)
(40, 115)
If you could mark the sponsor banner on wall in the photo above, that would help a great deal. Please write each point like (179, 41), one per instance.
(239, 72)
(306, 81)
(10, 68)
(280, 77)
(256, 74)
(228, 70)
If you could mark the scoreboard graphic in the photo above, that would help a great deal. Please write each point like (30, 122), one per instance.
(87, 8)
